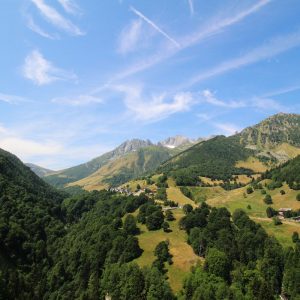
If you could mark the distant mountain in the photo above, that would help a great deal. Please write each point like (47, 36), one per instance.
(176, 141)
(270, 142)
(39, 171)
(125, 168)
(74, 174)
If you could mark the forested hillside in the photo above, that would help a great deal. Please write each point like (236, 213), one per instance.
(265, 145)
(288, 172)
(31, 220)
(215, 158)
(54, 246)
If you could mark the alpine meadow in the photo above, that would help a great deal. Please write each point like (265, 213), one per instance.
(150, 150)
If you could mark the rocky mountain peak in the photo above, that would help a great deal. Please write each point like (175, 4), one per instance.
(175, 141)
(131, 145)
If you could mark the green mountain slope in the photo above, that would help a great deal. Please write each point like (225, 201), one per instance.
(272, 141)
(39, 171)
(53, 247)
(30, 217)
(288, 172)
(61, 178)
(125, 168)
(130, 160)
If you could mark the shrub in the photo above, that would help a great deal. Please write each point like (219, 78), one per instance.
(271, 212)
(249, 190)
(295, 237)
(277, 221)
(268, 199)
(282, 192)
(169, 215)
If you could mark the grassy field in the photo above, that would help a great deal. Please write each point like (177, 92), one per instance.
(252, 163)
(183, 255)
(235, 199)
(201, 193)
(176, 195)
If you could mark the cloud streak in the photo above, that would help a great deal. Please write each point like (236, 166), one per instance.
(158, 29)
(37, 29)
(191, 6)
(275, 47)
(214, 27)
(41, 71)
(227, 128)
(81, 100)
(70, 7)
(56, 19)
(130, 37)
(12, 99)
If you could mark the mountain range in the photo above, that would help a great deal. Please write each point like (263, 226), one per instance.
(90, 245)
(253, 150)
(131, 159)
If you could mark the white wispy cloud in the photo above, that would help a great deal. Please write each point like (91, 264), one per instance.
(216, 26)
(274, 47)
(227, 128)
(281, 91)
(267, 104)
(42, 71)
(258, 102)
(191, 6)
(56, 19)
(70, 7)
(130, 37)
(209, 97)
(155, 26)
(37, 143)
(155, 107)
(24, 147)
(12, 99)
(37, 29)
(81, 100)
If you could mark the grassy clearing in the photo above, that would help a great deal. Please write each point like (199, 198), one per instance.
(208, 180)
(143, 184)
(253, 164)
(235, 200)
(176, 195)
(287, 150)
(283, 233)
(200, 193)
(183, 255)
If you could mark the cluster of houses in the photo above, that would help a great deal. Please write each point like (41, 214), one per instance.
(282, 213)
(128, 192)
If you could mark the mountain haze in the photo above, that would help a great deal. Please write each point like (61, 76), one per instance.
(40, 171)
(122, 160)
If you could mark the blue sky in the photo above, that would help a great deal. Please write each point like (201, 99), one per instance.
(77, 78)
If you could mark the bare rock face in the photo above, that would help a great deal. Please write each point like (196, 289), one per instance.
(130, 146)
